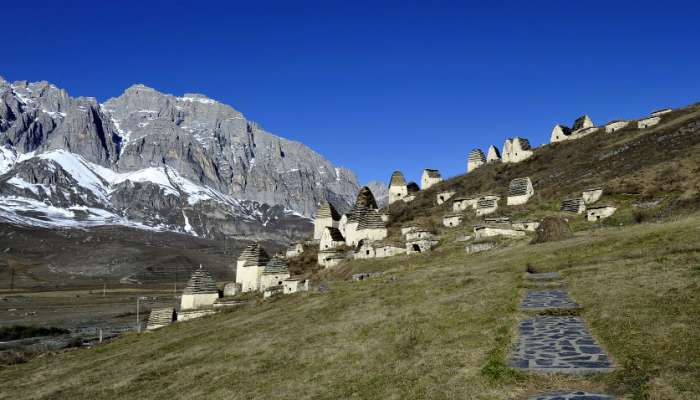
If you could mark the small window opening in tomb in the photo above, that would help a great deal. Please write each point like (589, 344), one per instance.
(597, 216)
(416, 248)
(399, 195)
(442, 198)
(367, 252)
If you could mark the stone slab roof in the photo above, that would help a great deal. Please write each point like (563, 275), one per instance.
(327, 210)
(370, 220)
(254, 254)
(200, 283)
(365, 198)
(335, 233)
(571, 205)
(477, 155)
(433, 173)
(397, 179)
(276, 265)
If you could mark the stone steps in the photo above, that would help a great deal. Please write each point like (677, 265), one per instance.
(540, 300)
(558, 344)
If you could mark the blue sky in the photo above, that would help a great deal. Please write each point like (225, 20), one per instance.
(374, 86)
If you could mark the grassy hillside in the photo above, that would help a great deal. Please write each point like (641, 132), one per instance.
(432, 326)
(634, 166)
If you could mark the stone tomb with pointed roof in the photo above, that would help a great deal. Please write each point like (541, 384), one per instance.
(371, 227)
(475, 160)
(331, 239)
(200, 291)
(429, 178)
(397, 187)
(582, 126)
(250, 266)
(516, 150)
(493, 155)
(274, 273)
(326, 216)
(520, 191)
(349, 224)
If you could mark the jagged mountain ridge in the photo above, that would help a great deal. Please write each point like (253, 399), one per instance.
(205, 143)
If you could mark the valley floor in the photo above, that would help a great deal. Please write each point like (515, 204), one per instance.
(436, 326)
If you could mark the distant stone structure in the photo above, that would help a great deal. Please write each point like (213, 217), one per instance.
(413, 190)
(349, 224)
(295, 285)
(486, 205)
(483, 231)
(497, 220)
(576, 205)
(479, 247)
(331, 239)
(364, 250)
(444, 196)
(614, 126)
(648, 122)
(429, 178)
(371, 227)
(516, 150)
(326, 216)
(529, 226)
(452, 220)
(475, 160)
(582, 126)
(274, 273)
(250, 266)
(658, 113)
(382, 249)
(294, 250)
(592, 195)
(160, 317)
(465, 203)
(199, 296)
(559, 133)
(273, 291)
(600, 212)
(232, 289)
(582, 122)
(520, 191)
(493, 155)
(330, 258)
(398, 189)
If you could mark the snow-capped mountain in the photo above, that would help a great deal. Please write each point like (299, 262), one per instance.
(152, 160)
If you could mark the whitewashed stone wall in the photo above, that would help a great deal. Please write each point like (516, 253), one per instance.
(598, 213)
(444, 196)
(197, 300)
(514, 152)
(615, 126)
(493, 155)
(271, 280)
(648, 122)
(320, 224)
(232, 289)
(294, 285)
(327, 241)
(481, 232)
(452, 220)
(427, 180)
(529, 226)
(592, 195)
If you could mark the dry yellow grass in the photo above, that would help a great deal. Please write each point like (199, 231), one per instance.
(435, 326)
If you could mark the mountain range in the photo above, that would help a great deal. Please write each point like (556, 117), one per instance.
(151, 160)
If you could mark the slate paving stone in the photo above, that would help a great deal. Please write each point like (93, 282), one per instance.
(571, 396)
(547, 299)
(543, 276)
(558, 344)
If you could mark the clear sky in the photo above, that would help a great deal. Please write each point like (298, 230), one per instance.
(374, 86)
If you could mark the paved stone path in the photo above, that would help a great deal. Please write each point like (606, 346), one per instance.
(543, 276)
(571, 396)
(558, 344)
(547, 299)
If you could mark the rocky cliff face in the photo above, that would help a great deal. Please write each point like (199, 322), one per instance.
(146, 155)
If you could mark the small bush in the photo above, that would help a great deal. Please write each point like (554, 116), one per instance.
(552, 229)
